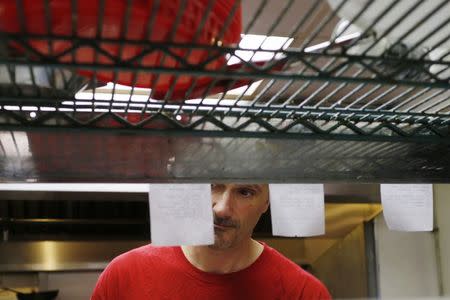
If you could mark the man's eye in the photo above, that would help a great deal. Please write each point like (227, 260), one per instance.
(246, 192)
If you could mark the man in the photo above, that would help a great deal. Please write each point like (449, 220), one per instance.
(234, 267)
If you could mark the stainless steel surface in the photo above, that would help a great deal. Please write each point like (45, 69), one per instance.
(70, 196)
(340, 220)
(334, 193)
(67, 221)
(116, 156)
(60, 255)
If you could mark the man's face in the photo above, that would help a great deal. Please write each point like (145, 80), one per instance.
(237, 208)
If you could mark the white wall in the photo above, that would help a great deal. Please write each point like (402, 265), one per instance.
(442, 214)
(406, 263)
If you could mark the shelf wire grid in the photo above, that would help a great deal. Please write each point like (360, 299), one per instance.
(315, 82)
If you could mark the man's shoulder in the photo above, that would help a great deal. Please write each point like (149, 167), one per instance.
(144, 254)
(295, 278)
(282, 262)
(147, 250)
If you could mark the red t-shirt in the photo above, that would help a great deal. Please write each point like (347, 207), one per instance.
(151, 272)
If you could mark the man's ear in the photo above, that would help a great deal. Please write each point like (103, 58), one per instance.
(267, 202)
(266, 205)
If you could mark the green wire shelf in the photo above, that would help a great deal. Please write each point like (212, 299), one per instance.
(326, 104)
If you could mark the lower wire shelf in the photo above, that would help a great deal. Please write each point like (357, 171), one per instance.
(74, 155)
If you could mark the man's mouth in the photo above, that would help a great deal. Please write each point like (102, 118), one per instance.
(222, 227)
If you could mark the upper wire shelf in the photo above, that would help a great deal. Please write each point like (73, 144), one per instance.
(338, 67)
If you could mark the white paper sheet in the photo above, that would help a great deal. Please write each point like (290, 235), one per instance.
(181, 214)
(297, 209)
(408, 207)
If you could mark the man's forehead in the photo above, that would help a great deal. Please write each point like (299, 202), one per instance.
(259, 186)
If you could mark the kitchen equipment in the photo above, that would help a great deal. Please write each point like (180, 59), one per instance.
(44, 295)
(41, 295)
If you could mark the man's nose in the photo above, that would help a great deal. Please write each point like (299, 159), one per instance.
(223, 204)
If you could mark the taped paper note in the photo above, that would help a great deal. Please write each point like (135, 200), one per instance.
(297, 209)
(408, 207)
(181, 214)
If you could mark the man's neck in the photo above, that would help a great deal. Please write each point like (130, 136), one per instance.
(222, 261)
